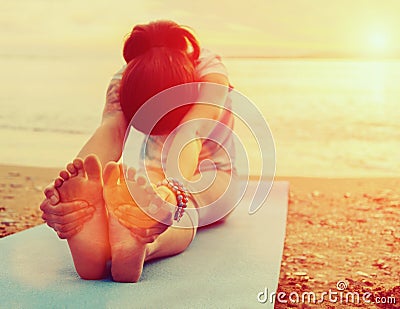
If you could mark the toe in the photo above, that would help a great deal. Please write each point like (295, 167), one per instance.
(141, 180)
(131, 174)
(92, 167)
(72, 170)
(52, 194)
(58, 182)
(111, 174)
(78, 164)
(64, 174)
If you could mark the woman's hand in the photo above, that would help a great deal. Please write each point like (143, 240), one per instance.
(143, 226)
(66, 219)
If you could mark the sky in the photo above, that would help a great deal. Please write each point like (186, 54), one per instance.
(246, 28)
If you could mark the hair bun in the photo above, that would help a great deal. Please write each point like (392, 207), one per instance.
(159, 34)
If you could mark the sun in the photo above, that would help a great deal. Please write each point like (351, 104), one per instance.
(378, 43)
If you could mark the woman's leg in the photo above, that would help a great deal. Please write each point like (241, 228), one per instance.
(223, 191)
(219, 199)
(175, 239)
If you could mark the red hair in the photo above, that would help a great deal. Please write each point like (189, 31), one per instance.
(159, 55)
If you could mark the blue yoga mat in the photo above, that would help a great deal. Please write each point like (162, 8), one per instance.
(226, 266)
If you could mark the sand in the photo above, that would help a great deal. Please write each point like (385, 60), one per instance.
(342, 230)
(338, 230)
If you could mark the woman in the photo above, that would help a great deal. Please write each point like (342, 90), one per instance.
(103, 215)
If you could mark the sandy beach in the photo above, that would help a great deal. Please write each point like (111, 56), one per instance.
(338, 229)
(342, 230)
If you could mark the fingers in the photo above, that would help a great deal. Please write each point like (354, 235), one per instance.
(132, 223)
(62, 208)
(143, 230)
(70, 224)
(64, 228)
(134, 215)
(70, 233)
(131, 210)
(154, 206)
(149, 235)
(80, 215)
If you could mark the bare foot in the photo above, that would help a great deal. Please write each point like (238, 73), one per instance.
(90, 247)
(129, 231)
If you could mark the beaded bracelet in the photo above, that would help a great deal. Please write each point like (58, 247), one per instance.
(181, 193)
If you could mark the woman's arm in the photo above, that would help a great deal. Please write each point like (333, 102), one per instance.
(188, 156)
(107, 140)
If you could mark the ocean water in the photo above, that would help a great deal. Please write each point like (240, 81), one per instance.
(329, 118)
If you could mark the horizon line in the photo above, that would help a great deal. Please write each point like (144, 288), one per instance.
(322, 57)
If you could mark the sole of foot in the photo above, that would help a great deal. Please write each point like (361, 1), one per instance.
(82, 180)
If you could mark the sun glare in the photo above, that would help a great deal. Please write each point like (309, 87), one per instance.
(378, 43)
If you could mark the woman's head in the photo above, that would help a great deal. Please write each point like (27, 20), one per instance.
(159, 55)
